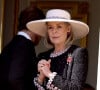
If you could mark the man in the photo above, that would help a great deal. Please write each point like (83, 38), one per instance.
(17, 58)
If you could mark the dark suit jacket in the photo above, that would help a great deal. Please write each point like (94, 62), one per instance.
(70, 76)
(17, 65)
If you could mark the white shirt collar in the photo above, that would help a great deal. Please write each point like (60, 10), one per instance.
(24, 34)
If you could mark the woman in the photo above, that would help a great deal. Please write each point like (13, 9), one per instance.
(64, 67)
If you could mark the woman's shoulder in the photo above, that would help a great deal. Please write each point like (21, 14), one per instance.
(77, 49)
(47, 51)
(80, 54)
(45, 54)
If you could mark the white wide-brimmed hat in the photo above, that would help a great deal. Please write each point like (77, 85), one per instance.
(79, 29)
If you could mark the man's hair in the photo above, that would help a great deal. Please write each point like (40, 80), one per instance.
(29, 14)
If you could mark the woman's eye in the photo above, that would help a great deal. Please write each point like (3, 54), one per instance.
(50, 27)
(59, 26)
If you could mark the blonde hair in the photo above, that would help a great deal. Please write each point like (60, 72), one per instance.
(68, 42)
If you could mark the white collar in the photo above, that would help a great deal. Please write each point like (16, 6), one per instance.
(24, 34)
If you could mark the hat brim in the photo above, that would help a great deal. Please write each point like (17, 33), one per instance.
(79, 29)
(38, 27)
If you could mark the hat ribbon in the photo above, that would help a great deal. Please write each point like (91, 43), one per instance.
(55, 17)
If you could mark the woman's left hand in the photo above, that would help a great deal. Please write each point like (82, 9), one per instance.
(46, 68)
(42, 63)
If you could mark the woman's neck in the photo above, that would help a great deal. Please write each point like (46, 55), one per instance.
(59, 48)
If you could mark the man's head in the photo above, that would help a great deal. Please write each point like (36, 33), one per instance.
(29, 14)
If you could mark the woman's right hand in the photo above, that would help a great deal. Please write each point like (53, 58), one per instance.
(43, 63)
(41, 75)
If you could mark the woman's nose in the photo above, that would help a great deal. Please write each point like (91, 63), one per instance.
(54, 30)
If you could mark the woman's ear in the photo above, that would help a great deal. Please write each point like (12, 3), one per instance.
(69, 28)
(68, 31)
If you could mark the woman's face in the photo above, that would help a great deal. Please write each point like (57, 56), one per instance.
(57, 32)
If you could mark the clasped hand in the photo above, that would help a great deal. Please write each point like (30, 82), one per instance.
(44, 67)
